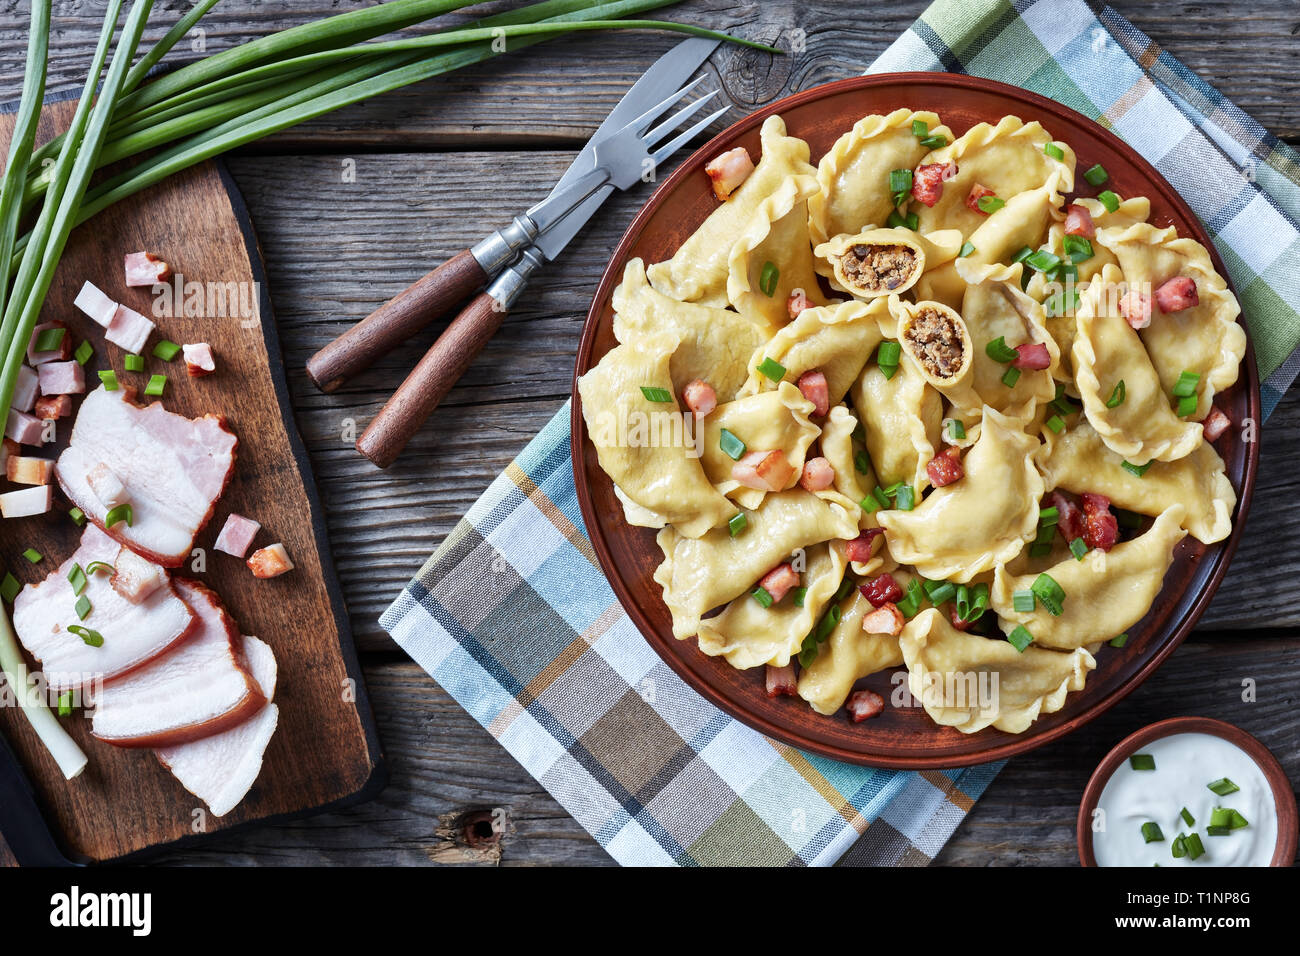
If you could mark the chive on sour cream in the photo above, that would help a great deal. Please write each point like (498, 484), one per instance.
(1186, 765)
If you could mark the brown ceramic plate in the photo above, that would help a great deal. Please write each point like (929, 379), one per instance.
(903, 738)
(1283, 797)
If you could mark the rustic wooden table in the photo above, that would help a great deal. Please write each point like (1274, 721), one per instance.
(435, 166)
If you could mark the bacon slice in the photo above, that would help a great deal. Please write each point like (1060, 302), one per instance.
(864, 704)
(882, 590)
(1177, 294)
(134, 634)
(27, 502)
(129, 329)
(173, 470)
(134, 577)
(270, 562)
(24, 429)
(92, 301)
(813, 386)
(818, 475)
(798, 303)
(1078, 222)
(780, 581)
(764, 470)
(220, 769)
(1100, 527)
(1135, 306)
(945, 467)
(928, 180)
(61, 378)
(28, 471)
(1070, 522)
(60, 354)
(780, 681)
(978, 192)
(53, 406)
(144, 269)
(198, 359)
(200, 687)
(1033, 356)
(236, 535)
(728, 170)
(886, 619)
(859, 549)
(1216, 423)
(700, 397)
(26, 387)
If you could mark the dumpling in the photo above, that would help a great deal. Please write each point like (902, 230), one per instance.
(1007, 158)
(1130, 211)
(901, 416)
(714, 344)
(1078, 461)
(1205, 339)
(837, 339)
(854, 173)
(882, 261)
(993, 308)
(697, 272)
(848, 655)
(983, 520)
(1107, 351)
(750, 635)
(941, 285)
(839, 447)
(773, 258)
(1022, 222)
(1106, 593)
(699, 574)
(768, 421)
(642, 445)
(972, 682)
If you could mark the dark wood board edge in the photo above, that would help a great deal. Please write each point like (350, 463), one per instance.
(1178, 630)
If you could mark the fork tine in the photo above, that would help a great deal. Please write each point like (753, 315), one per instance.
(670, 124)
(679, 141)
(642, 122)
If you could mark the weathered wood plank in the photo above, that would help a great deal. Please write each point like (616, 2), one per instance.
(1246, 50)
(445, 765)
(406, 213)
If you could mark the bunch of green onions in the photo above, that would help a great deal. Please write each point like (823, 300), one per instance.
(196, 112)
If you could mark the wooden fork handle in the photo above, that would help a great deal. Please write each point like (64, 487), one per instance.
(396, 321)
(430, 380)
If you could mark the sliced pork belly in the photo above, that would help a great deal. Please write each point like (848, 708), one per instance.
(133, 633)
(171, 470)
(198, 688)
(221, 769)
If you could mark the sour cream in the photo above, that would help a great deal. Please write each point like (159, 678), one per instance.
(1185, 765)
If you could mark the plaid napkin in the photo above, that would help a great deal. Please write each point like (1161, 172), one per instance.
(513, 617)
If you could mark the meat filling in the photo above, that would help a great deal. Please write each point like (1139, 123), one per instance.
(936, 341)
(878, 268)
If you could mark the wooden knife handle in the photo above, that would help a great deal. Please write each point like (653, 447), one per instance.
(430, 380)
(396, 321)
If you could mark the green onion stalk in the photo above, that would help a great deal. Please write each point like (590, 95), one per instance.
(198, 111)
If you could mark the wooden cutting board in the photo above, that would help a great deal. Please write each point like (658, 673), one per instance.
(325, 751)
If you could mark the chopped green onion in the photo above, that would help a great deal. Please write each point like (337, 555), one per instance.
(1039, 550)
(1023, 601)
(768, 278)
(1187, 406)
(1051, 149)
(1238, 821)
(10, 587)
(892, 490)
(1186, 384)
(920, 128)
(1046, 534)
(913, 221)
(1142, 762)
(82, 607)
(889, 371)
(844, 590)
(861, 462)
(827, 623)
(939, 591)
(1023, 254)
(47, 340)
(1132, 469)
(737, 523)
(771, 369)
(1049, 516)
(166, 350)
(1057, 305)
(1044, 261)
(900, 184)
(1078, 548)
(1010, 377)
(936, 141)
(1070, 271)
(906, 499)
(1218, 831)
(1020, 638)
(979, 602)
(895, 221)
(120, 513)
(999, 351)
(78, 517)
(956, 429)
(651, 393)
(77, 578)
(65, 703)
(762, 597)
(1120, 640)
(889, 353)
(157, 384)
(34, 556)
(88, 635)
(1221, 817)
(1187, 817)
(1151, 833)
(731, 446)
(1117, 395)
(882, 499)
(94, 567)
(1194, 846)
(869, 504)
(1078, 248)
(1096, 175)
(1062, 402)
(799, 595)
(1050, 593)
(966, 249)
(808, 650)
(134, 363)
(84, 351)
(990, 204)
(1223, 786)
(1056, 423)
(109, 378)
(1179, 846)
(1109, 200)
